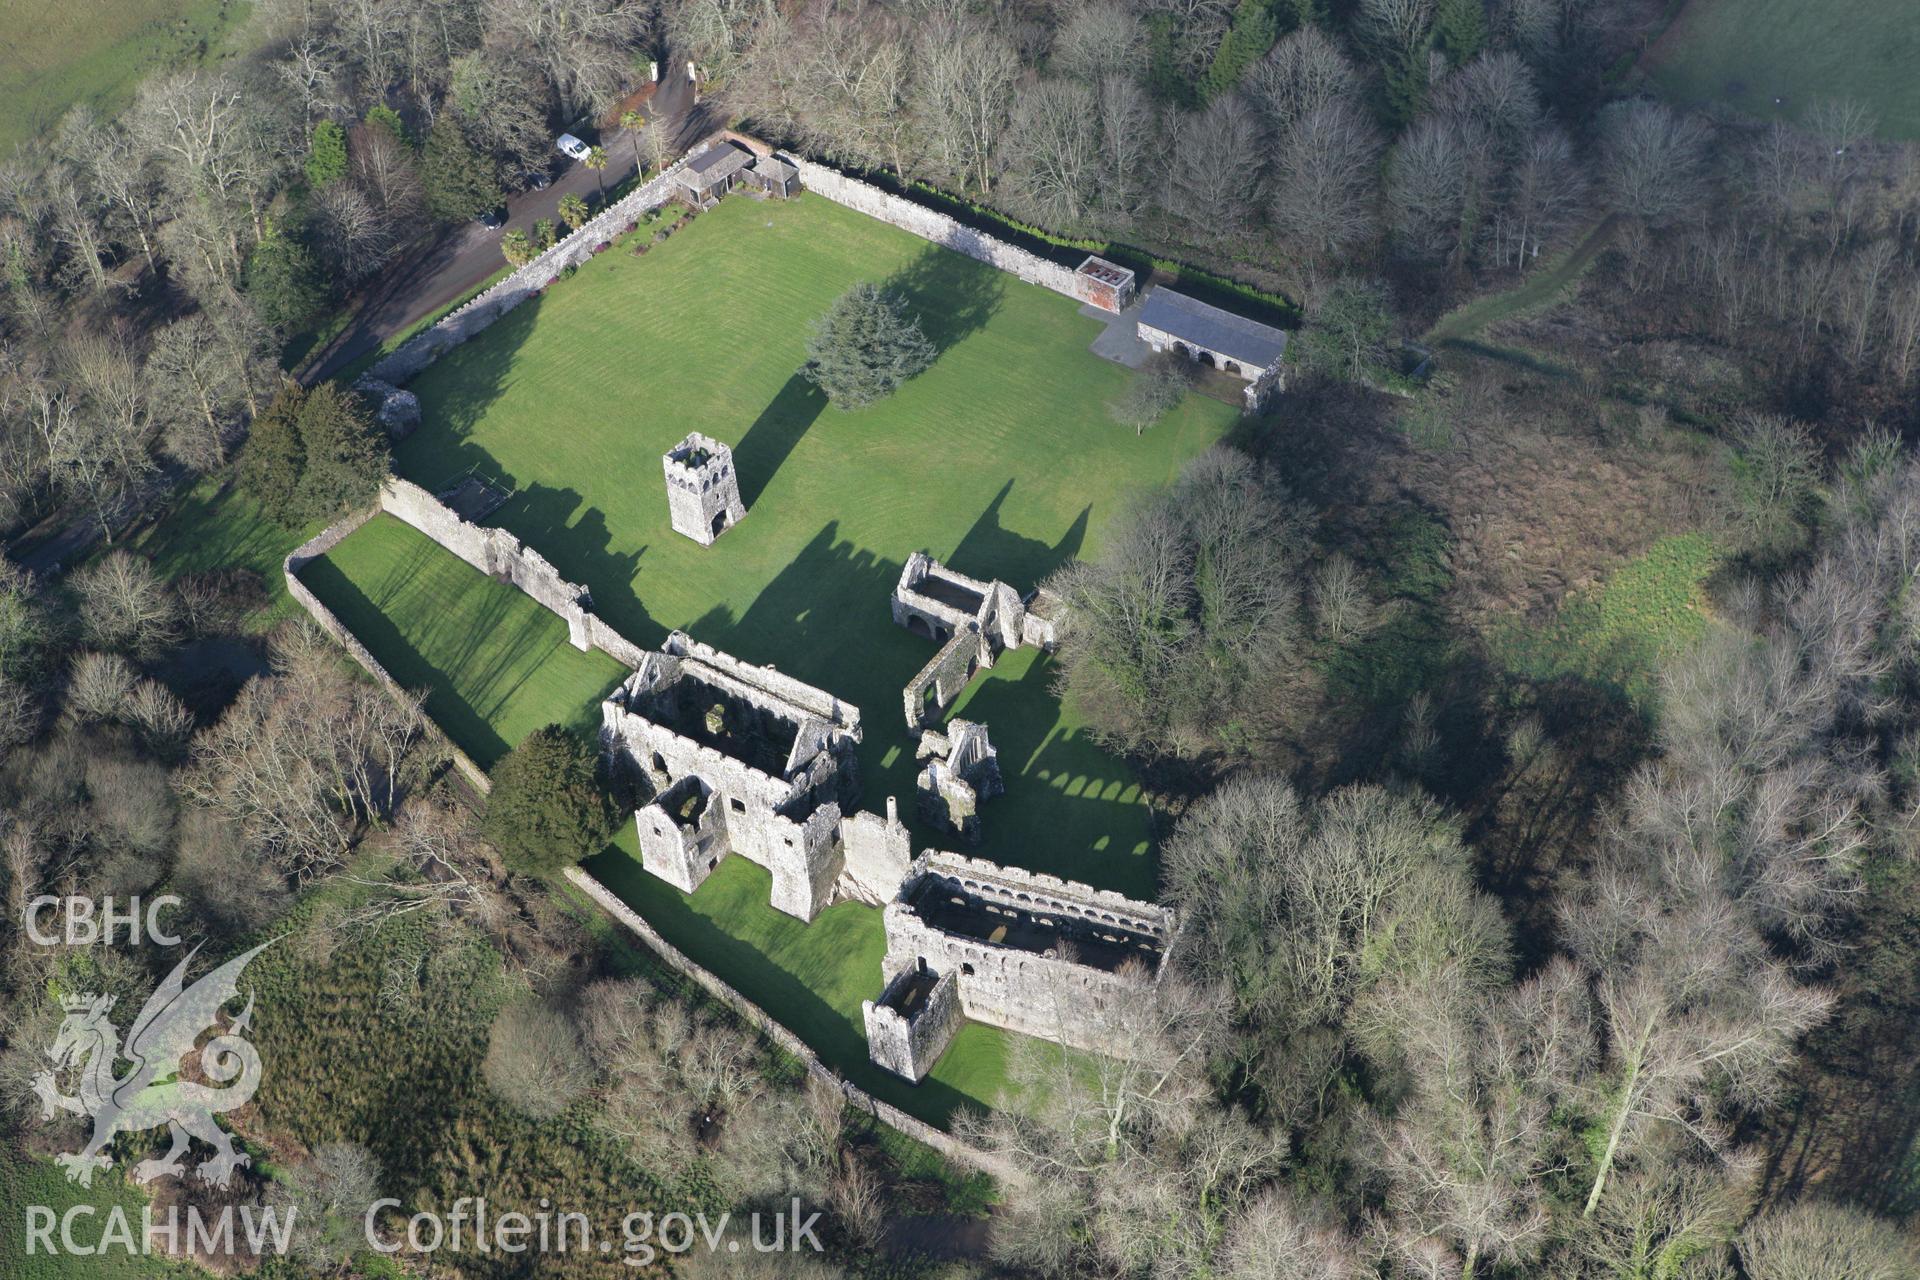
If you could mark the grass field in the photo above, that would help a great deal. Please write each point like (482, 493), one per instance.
(1748, 53)
(59, 54)
(27, 1180)
(1000, 460)
(1619, 632)
(498, 665)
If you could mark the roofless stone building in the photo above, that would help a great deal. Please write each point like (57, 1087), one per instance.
(739, 759)
(969, 939)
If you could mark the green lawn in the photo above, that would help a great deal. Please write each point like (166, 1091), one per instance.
(58, 54)
(1747, 53)
(498, 665)
(1619, 633)
(212, 527)
(29, 1181)
(1000, 460)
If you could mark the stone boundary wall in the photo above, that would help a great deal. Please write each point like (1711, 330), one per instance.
(491, 550)
(312, 549)
(919, 1130)
(930, 224)
(577, 247)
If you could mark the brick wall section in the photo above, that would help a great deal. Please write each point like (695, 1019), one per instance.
(475, 315)
(313, 549)
(919, 1130)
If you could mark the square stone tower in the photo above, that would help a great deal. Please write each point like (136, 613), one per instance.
(703, 492)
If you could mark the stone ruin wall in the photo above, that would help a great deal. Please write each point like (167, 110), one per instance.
(782, 686)
(1043, 996)
(802, 852)
(878, 853)
(945, 675)
(491, 550)
(909, 1047)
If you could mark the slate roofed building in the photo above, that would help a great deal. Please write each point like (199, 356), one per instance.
(713, 172)
(1170, 321)
(775, 176)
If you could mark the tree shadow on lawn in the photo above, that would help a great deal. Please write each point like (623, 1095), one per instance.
(773, 435)
(952, 295)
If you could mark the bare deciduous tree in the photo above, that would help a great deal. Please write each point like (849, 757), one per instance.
(1816, 1241)
(125, 606)
(535, 1061)
(1653, 162)
(966, 73)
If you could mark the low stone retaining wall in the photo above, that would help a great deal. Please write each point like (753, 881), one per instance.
(919, 1130)
(475, 315)
(312, 549)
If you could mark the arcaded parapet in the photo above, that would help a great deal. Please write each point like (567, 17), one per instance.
(913, 1022)
(1033, 953)
(773, 759)
(703, 490)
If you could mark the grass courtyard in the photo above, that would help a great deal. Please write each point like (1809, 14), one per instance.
(58, 55)
(1000, 459)
(1748, 53)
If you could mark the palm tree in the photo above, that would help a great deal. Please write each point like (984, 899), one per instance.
(633, 122)
(597, 161)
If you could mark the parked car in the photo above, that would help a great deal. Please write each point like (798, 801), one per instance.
(492, 219)
(571, 146)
